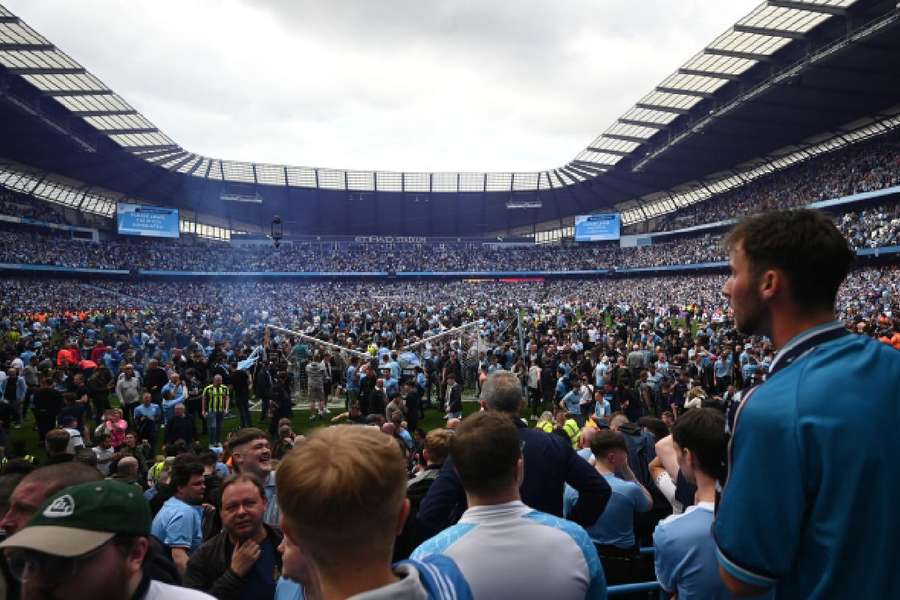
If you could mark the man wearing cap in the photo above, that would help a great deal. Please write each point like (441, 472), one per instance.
(89, 541)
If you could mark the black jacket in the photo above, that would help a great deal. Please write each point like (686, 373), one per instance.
(454, 403)
(550, 463)
(181, 428)
(209, 568)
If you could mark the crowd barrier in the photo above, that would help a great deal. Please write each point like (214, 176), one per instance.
(632, 588)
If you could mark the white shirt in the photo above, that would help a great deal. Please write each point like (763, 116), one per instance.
(498, 547)
(163, 591)
(75, 441)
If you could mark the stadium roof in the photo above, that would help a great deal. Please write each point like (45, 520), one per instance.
(789, 70)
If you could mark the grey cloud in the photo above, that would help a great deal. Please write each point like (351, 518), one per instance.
(401, 85)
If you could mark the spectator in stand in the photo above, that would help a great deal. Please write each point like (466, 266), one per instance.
(786, 268)
(502, 547)
(242, 561)
(343, 497)
(686, 563)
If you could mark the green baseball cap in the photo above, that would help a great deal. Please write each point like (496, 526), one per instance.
(83, 517)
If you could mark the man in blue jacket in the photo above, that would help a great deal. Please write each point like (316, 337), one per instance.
(550, 463)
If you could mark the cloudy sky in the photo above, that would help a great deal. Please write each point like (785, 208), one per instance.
(480, 85)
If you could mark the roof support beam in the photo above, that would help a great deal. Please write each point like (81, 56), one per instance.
(164, 156)
(660, 108)
(683, 92)
(715, 74)
(736, 54)
(150, 154)
(27, 47)
(809, 6)
(183, 162)
(573, 174)
(625, 138)
(102, 113)
(569, 178)
(171, 147)
(559, 180)
(640, 123)
(605, 151)
(200, 162)
(589, 167)
(794, 35)
(586, 164)
(57, 93)
(128, 131)
(587, 175)
(46, 71)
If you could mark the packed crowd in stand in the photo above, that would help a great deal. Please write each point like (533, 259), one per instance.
(862, 167)
(872, 227)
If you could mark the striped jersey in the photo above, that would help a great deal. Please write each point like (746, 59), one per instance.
(215, 397)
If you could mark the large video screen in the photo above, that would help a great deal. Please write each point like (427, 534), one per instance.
(597, 228)
(149, 221)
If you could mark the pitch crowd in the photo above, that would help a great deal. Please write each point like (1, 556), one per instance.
(132, 382)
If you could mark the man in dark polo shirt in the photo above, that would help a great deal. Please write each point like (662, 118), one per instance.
(809, 507)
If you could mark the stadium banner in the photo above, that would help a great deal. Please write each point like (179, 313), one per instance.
(598, 228)
(148, 221)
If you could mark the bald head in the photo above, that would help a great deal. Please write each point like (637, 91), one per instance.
(587, 434)
(127, 466)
